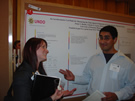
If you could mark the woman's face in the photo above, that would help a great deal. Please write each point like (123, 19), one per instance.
(42, 52)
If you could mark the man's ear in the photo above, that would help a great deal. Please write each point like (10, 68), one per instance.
(115, 40)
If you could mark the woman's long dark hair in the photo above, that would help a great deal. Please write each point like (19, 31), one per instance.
(29, 52)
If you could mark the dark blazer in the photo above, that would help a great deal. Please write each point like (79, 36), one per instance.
(22, 83)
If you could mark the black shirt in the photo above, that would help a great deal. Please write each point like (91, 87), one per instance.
(108, 57)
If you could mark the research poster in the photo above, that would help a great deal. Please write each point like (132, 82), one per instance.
(72, 40)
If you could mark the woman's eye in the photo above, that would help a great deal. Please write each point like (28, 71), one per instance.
(43, 47)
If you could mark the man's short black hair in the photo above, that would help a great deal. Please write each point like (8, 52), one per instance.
(111, 29)
(15, 43)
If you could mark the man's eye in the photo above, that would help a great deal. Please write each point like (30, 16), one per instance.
(101, 38)
(106, 38)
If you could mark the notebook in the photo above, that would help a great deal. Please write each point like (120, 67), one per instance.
(44, 86)
(96, 96)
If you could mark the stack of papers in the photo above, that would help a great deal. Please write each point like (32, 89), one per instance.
(96, 96)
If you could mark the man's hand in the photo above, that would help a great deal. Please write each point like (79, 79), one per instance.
(68, 75)
(109, 96)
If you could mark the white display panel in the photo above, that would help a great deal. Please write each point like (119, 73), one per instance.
(72, 40)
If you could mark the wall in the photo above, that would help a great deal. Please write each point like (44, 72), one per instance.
(104, 5)
(113, 6)
(4, 67)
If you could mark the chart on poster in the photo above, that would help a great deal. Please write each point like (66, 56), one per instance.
(72, 40)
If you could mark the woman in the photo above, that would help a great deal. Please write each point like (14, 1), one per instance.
(34, 53)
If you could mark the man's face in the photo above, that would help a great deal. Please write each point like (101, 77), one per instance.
(18, 46)
(106, 42)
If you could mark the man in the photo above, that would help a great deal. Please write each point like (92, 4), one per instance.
(109, 71)
(16, 45)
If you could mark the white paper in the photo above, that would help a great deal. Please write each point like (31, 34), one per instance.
(34, 7)
(96, 96)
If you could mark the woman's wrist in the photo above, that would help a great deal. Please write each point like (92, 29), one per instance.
(52, 97)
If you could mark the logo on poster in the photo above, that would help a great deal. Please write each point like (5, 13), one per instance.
(31, 21)
(40, 21)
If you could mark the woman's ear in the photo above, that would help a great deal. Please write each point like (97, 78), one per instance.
(30, 48)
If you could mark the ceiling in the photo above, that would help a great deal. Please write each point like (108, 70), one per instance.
(131, 7)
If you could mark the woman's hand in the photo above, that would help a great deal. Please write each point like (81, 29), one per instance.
(57, 95)
(62, 93)
(68, 93)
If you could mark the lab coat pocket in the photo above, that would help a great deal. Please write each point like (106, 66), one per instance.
(114, 75)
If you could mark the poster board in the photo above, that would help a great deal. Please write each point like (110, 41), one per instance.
(73, 36)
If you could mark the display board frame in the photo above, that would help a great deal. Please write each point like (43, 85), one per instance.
(62, 9)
